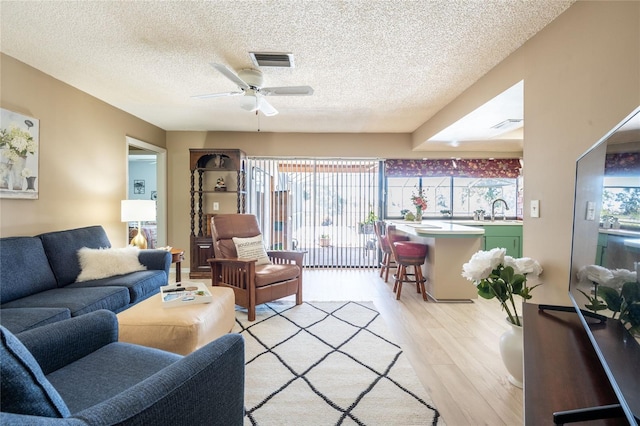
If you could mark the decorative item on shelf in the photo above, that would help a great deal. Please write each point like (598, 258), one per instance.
(138, 211)
(220, 161)
(445, 213)
(325, 240)
(220, 185)
(502, 277)
(619, 290)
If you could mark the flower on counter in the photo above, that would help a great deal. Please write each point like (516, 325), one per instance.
(500, 276)
(419, 199)
(26, 173)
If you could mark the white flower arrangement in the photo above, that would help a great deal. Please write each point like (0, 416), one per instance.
(26, 173)
(16, 143)
(500, 276)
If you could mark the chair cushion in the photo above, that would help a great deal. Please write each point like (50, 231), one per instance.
(21, 319)
(273, 273)
(107, 372)
(79, 300)
(251, 248)
(25, 268)
(141, 284)
(410, 253)
(24, 389)
(103, 263)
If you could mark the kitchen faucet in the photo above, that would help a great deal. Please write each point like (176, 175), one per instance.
(493, 209)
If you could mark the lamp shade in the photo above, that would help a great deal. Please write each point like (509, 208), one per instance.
(137, 210)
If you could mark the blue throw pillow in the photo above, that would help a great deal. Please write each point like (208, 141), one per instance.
(25, 389)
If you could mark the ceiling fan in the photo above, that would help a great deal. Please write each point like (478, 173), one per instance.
(250, 82)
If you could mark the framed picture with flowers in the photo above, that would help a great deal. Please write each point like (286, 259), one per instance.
(19, 141)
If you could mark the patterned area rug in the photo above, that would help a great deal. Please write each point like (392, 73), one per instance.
(328, 363)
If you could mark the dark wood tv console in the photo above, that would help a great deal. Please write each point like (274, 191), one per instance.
(561, 369)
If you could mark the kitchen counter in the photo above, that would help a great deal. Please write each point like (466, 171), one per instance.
(433, 228)
(497, 222)
(618, 231)
(450, 245)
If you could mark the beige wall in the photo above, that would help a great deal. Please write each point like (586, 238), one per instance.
(83, 155)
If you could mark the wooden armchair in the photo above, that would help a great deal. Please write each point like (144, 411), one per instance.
(256, 276)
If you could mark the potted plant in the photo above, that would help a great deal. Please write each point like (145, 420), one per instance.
(503, 277)
(325, 240)
(366, 226)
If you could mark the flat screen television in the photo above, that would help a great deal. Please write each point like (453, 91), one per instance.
(605, 257)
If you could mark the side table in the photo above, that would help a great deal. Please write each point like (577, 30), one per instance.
(177, 256)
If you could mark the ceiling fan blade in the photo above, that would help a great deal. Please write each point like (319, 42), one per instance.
(266, 108)
(287, 91)
(230, 75)
(217, 95)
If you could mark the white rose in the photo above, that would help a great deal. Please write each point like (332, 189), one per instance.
(621, 276)
(595, 273)
(482, 263)
(528, 266)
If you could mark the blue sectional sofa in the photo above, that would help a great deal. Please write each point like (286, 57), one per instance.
(75, 372)
(38, 278)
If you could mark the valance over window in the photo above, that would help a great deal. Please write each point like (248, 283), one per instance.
(476, 168)
(622, 164)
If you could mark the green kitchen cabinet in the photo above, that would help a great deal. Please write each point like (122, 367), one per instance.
(602, 248)
(504, 236)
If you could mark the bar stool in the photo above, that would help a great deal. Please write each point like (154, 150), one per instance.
(408, 254)
(388, 262)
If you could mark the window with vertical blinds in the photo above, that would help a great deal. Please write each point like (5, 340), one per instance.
(322, 206)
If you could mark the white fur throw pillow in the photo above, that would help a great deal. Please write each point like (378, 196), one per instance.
(103, 263)
(251, 248)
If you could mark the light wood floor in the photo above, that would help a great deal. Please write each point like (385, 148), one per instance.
(453, 347)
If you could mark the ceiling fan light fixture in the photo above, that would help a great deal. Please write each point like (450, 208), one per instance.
(249, 101)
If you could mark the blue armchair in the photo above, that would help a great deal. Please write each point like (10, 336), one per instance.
(75, 372)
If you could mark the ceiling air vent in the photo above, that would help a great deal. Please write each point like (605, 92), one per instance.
(507, 124)
(263, 59)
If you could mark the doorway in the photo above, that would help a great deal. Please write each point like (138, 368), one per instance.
(147, 180)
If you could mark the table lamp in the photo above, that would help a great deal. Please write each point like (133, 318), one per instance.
(138, 211)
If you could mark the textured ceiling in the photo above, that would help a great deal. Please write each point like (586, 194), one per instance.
(375, 66)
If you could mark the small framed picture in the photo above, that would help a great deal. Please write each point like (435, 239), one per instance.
(138, 186)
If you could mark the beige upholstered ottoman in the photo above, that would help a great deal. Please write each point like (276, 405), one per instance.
(181, 330)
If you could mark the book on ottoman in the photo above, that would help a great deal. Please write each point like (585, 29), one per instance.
(184, 294)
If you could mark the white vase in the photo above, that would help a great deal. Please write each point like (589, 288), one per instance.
(511, 352)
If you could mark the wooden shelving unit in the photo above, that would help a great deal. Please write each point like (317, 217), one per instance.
(207, 166)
